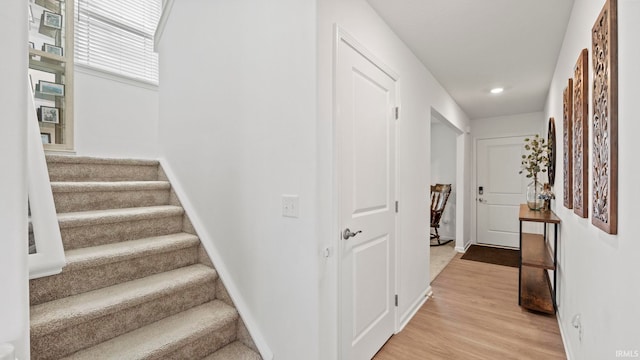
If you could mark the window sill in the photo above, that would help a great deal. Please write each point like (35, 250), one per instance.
(81, 68)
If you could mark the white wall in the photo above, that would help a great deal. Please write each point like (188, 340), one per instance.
(419, 93)
(238, 127)
(443, 171)
(14, 299)
(509, 125)
(599, 273)
(115, 117)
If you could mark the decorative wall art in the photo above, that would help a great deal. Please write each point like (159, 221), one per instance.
(52, 49)
(49, 114)
(551, 142)
(49, 88)
(581, 135)
(567, 154)
(53, 5)
(605, 119)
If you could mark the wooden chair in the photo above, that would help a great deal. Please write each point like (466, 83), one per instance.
(439, 196)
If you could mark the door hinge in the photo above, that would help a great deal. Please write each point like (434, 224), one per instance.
(396, 300)
(396, 206)
(397, 110)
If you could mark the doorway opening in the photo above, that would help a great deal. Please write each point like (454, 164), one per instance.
(445, 150)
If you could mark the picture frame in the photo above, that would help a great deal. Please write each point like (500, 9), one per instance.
(32, 45)
(52, 49)
(46, 138)
(53, 5)
(581, 135)
(50, 88)
(49, 114)
(51, 20)
(567, 154)
(48, 134)
(604, 48)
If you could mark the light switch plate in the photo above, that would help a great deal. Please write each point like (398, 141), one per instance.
(290, 206)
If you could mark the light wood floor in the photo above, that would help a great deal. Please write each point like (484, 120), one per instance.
(474, 314)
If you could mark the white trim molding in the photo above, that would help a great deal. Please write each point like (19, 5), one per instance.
(413, 309)
(49, 257)
(207, 242)
(167, 5)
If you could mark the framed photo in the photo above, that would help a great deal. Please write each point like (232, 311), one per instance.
(32, 45)
(51, 20)
(53, 5)
(48, 114)
(49, 88)
(52, 49)
(46, 138)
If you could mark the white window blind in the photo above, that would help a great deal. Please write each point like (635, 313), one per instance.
(117, 36)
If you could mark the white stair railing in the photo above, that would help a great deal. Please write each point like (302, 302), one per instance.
(49, 257)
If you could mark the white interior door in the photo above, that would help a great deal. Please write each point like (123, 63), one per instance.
(503, 190)
(365, 134)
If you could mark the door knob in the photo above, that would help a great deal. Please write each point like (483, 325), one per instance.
(483, 201)
(346, 234)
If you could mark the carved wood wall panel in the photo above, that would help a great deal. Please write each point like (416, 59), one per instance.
(567, 153)
(581, 135)
(605, 119)
(551, 141)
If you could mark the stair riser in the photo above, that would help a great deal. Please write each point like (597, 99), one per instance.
(71, 282)
(101, 172)
(100, 234)
(103, 200)
(203, 346)
(63, 342)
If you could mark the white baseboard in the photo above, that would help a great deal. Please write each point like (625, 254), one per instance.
(565, 342)
(463, 249)
(413, 309)
(222, 270)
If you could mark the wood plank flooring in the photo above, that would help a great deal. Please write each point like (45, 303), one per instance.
(474, 314)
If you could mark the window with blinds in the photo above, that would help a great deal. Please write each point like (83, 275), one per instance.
(116, 36)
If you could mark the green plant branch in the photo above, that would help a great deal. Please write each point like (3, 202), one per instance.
(537, 160)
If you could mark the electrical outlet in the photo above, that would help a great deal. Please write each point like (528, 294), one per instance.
(290, 206)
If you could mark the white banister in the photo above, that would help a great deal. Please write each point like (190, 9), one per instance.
(49, 258)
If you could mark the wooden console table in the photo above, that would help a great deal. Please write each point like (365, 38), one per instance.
(534, 287)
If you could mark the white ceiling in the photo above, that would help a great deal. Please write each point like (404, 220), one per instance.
(472, 46)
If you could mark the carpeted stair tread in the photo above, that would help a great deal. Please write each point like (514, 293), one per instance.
(117, 252)
(110, 216)
(92, 186)
(74, 168)
(69, 311)
(163, 337)
(236, 351)
(101, 195)
(97, 160)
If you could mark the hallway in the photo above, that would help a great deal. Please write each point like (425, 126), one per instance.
(474, 314)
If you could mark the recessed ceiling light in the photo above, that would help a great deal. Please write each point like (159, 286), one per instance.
(497, 90)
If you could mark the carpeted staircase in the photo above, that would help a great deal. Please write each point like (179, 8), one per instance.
(138, 283)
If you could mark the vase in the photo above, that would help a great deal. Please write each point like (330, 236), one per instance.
(534, 190)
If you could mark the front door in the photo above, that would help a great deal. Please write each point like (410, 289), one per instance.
(500, 190)
(365, 142)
